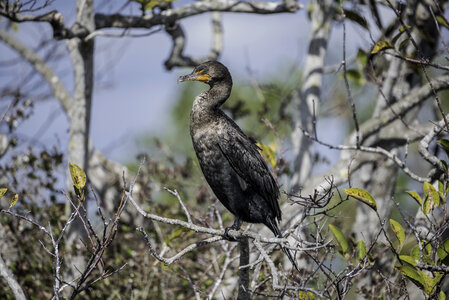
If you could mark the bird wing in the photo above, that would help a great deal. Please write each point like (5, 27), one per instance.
(246, 161)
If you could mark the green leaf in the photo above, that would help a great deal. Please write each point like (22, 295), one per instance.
(442, 296)
(355, 17)
(150, 4)
(415, 196)
(409, 259)
(442, 191)
(13, 201)
(442, 21)
(355, 76)
(15, 27)
(443, 251)
(432, 198)
(402, 28)
(381, 46)
(403, 43)
(427, 252)
(268, 153)
(78, 176)
(302, 295)
(362, 57)
(396, 37)
(361, 250)
(177, 233)
(412, 274)
(430, 283)
(398, 231)
(340, 238)
(444, 144)
(362, 195)
(2, 192)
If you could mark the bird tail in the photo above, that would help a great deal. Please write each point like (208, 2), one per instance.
(277, 232)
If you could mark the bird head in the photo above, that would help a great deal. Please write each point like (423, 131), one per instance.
(210, 72)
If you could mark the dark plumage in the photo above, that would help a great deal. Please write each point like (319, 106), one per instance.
(230, 161)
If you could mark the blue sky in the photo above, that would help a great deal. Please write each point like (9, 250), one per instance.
(140, 93)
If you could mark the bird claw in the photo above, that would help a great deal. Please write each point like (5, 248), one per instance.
(227, 236)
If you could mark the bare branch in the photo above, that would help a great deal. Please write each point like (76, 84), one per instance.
(184, 208)
(180, 254)
(177, 58)
(196, 8)
(415, 98)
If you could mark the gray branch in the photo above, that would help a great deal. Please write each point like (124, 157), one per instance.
(415, 98)
(177, 58)
(196, 8)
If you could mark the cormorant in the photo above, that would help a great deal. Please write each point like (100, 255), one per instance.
(230, 160)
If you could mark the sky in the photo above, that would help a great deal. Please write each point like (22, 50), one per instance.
(134, 93)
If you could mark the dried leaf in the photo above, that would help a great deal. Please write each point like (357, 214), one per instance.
(363, 196)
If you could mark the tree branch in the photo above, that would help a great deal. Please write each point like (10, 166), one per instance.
(415, 98)
(196, 8)
(177, 58)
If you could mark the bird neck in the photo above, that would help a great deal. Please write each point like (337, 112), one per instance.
(219, 93)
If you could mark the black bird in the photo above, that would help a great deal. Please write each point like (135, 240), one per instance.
(230, 160)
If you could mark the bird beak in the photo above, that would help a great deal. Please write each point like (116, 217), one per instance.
(194, 77)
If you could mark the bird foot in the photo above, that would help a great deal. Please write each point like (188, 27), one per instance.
(227, 236)
(236, 226)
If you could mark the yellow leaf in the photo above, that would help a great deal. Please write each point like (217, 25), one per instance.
(78, 176)
(268, 153)
(432, 198)
(2, 192)
(302, 295)
(415, 196)
(382, 45)
(398, 231)
(13, 200)
(362, 195)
